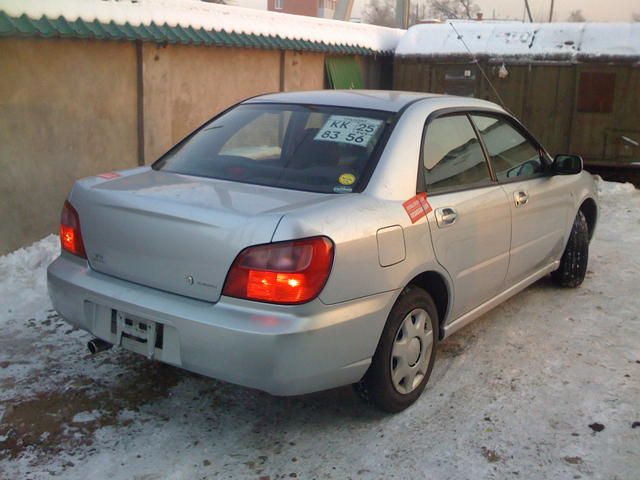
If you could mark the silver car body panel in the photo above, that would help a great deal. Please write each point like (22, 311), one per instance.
(456, 324)
(279, 349)
(147, 232)
(197, 226)
(388, 101)
(483, 231)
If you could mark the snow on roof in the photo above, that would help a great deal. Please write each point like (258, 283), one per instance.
(197, 14)
(515, 39)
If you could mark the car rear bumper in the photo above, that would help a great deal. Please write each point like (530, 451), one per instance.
(283, 350)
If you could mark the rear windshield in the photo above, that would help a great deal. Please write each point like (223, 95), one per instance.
(313, 148)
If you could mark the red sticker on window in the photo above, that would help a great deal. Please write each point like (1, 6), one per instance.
(417, 207)
(108, 175)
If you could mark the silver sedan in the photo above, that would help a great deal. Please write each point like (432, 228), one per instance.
(302, 241)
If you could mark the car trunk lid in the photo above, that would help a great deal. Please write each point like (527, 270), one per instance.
(174, 232)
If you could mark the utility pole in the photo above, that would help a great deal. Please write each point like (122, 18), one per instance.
(551, 12)
(526, 4)
(343, 10)
(402, 13)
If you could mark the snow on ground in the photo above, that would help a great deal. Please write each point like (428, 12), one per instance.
(546, 386)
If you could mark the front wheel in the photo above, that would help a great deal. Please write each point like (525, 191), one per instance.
(573, 265)
(403, 361)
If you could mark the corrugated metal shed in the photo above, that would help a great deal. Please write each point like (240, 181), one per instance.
(575, 88)
(191, 22)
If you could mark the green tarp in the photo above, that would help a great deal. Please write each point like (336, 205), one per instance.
(344, 72)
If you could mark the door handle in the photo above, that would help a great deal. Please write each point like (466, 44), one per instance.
(446, 216)
(520, 198)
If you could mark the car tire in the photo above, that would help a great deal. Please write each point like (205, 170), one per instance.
(404, 358)
(573, 265)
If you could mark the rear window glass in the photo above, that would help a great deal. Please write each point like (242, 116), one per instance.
(313, 148)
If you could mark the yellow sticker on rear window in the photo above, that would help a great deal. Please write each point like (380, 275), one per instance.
(347, 179)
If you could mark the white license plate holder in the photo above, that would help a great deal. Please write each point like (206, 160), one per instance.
(136, 334)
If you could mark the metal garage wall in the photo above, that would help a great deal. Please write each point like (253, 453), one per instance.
(597, 133)
(546, 97)
(550, 110)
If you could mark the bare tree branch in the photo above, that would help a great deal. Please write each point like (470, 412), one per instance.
(418, 11)
(443, 9)
(380, 12)
(454, 9)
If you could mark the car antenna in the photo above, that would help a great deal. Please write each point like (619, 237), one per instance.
(475, 60)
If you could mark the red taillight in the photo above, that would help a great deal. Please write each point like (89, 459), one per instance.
(70, 236)
(284, 272)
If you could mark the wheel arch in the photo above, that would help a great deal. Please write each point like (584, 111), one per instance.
(589, 209)
(435, 284)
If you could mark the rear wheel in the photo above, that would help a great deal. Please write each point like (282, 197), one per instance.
(405, 355)
(573, 265)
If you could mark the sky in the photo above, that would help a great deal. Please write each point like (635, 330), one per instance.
(593, 10)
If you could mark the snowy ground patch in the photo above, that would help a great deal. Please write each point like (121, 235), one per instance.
(545, 386)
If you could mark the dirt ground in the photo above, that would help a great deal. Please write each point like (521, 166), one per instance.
(546, 386)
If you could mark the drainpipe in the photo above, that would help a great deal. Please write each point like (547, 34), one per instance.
(282, 69)
(140, 101)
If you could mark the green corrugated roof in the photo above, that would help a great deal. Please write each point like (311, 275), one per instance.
(60, 27)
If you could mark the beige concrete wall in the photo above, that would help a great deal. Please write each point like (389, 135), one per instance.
(67, 110)
(303, 71)
(186, 85)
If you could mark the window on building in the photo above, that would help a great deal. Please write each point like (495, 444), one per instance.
(452, 156)
(278, 4)
(329, 4)
(595, 93)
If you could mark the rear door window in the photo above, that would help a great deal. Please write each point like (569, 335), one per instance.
(313, 148)
(511, 154)
(452, 156)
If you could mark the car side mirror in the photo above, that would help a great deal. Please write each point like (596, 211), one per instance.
(564, 164)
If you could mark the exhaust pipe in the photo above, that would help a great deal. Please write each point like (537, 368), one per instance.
(97, 345)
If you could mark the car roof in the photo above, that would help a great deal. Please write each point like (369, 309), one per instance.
(386, 100)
